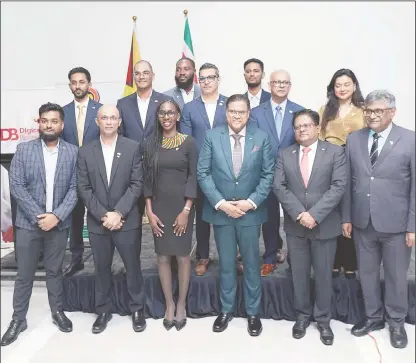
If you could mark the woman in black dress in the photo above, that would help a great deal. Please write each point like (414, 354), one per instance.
(170, 188)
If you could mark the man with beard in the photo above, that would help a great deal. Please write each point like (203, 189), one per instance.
(253, 74)
(185, 90)
(80, 129)
(43, 183)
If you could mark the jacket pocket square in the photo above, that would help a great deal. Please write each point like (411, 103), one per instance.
(255, 148)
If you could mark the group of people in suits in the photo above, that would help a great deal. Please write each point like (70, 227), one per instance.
(345, 171)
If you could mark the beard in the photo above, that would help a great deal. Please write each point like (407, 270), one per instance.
(253, 84)
(49, 137)
(81, 94)
(184, 84)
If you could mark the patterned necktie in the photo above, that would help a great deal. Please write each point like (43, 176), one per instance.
(237, 154)
(374, 149)
(304, 166)
(80, 124)
(278, 120)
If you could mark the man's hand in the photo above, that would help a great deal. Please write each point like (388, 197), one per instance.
(112, 221)
(243, 205)
(115, 228)
(347, 229)
(231, 210)
(47, 221)
(410, 239)
(306, 220)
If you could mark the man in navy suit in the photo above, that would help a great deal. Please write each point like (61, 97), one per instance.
(275, 117)
(80, 128)
(253, 74)
(198, 116)
(138, 114)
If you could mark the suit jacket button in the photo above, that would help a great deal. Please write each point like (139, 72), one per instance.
(368, 195)
(236, 183)
(372, 178)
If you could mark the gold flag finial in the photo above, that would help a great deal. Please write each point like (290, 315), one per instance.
(134, 18)
(185, 12)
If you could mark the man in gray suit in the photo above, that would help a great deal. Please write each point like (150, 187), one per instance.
(310, 180)
(110, 181)
(185, 90)
(43, 183)
(379, 209)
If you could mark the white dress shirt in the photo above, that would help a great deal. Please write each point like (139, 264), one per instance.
(282, 106)
(381, 140)
(187, 97)
(254, 100)
(143, 106)
(311, 156)
(108, 153)
(210, 108)
(50, 158)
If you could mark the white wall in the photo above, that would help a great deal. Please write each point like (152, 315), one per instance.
(41, 42)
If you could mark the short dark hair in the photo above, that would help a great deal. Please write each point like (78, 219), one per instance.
(51, 107)
(79, 70)
(186, 59)
(210, 66)
(306, 112)
(254, 60)
(238, 97)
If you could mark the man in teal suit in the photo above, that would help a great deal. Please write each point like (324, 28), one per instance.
(235, 173)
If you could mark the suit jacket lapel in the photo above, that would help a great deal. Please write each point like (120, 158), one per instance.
(388, 145)
(72, 120)
(218, 111)
(135, 109)
(151, 110)
(201, 108)
(364, 147)
(320, 150)
(197, 91)
(116, 159)
(296, 166)
(89, 117)
(248, 147)
(287, 120)
(60, 161)
(178, 97)
(226, 148)
(99, 157)
(42, 162)
(268, 114)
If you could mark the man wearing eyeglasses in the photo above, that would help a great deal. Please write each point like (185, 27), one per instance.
(275, 117)
(198, 116)
(253, 74)
(310, 181)
(379, 210)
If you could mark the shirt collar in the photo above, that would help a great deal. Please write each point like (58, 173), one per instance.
(146, 100)
(208, 103)
(258, 95)
(85, 104)
(282, 105)
(242, 132)
(313, 147)
(109, 146)
(385, 133)
(191, 92)
(46, 146)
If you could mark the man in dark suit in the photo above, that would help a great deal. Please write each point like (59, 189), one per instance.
(80, 128)
(138, 115)
(310, 180)
(379, 210)
(198, 116)
(235, 171)
(43, 183)
(185, 90)
(253, 74)
(110, 182)
(275, 117)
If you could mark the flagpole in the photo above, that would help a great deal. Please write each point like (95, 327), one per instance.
(185, 12)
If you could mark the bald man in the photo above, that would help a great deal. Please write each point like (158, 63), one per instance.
(110, 182)
(275, 118)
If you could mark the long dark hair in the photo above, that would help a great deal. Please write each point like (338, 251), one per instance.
(152, 145)
(332, 106)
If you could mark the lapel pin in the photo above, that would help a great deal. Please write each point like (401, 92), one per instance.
(118, 155)
(293, 151)
(391, 142)
(156, 101)
(250, 138)
(323, 149)
(93, 107)
(177, 149)
(220, 104)
(290, 111)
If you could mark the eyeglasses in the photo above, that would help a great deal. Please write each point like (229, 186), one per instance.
(304, 126)
(280, 83)
(209, 79)
(378, 111)
(235, 113)
(112, 118)
(169, 113)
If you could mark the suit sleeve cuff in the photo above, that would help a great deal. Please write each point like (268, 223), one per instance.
(219, 204)
(252, 203)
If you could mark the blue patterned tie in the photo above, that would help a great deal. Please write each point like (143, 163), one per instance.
(278, 120)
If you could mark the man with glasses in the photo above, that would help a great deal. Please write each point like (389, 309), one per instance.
(310, 181)
(253, 74)
(235, 171)
(198, 116)
(379, 210)
(275, 117)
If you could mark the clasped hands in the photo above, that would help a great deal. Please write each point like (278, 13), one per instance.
(236, 208)
(112, 221)
(47, 221)
(306, 220)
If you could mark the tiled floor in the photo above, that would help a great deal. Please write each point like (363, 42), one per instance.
(43, 343)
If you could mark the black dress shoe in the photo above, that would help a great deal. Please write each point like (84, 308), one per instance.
(299, 329)
(335, 274)
(366, 326)
(138, 320)
(168, 324)
(62, 322)
(349, 274)
(398, 337)
(73, 268)
(327, 336)
(13, 331)
(221, 322)
(254, 325)
(101, 323)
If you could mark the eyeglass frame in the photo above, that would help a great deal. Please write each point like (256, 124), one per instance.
(210, 78)
(378, 112)
(304, 126)
(280, 83)
(173, 113)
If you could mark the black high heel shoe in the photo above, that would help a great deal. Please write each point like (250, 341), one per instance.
(180, 324)
(168, 324)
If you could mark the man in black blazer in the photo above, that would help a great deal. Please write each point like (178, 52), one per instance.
(110, 181)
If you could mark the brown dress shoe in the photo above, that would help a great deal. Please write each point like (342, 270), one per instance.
(267, 268)
(280, 256)
(202, 266)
